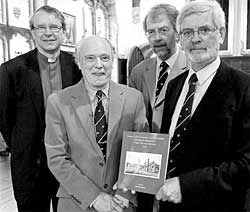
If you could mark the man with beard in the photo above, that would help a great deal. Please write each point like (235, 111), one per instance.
(152, 75)
(208, 120)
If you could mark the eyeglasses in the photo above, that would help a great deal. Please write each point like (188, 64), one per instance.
(92, 58)
(43, 29)
(152, 32)
(202, 31)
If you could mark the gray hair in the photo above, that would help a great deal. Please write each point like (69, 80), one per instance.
(203, 6)
(170, 11)
(79, 49)
(50, 10)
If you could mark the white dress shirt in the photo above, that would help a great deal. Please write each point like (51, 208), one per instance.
(205, 77)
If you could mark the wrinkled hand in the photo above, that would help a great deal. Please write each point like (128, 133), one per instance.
(121, 201)
(104, 203)
(170, 191)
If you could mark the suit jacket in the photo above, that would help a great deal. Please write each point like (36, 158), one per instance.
(214, 157)
(143, 78)
(74, 156)
(23, 118)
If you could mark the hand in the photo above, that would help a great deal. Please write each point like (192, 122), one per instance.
(104, 203)
(121, 201)
(115, 187)
(170, 191)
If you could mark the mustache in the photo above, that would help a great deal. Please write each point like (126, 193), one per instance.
(159, 44)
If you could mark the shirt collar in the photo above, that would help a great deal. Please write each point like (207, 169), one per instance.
(206, 72)
(92, 92)
(46, 59)
(170, 61)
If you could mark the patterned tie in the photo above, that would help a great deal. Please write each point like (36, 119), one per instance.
(181, 127)
(162, 78)
(100, 123)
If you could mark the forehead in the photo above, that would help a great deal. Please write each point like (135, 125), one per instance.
(196, 20)
(158, 18)
(43, 17)
(96, 47)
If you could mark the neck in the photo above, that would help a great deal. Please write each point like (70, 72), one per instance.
(52, 55)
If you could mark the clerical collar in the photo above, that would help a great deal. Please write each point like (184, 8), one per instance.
(48, 60)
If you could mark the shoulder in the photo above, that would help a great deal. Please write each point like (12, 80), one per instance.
(23, 59)
(65, 95)
(140, 67)
(67, 55)
(127, 91)
(236, 77)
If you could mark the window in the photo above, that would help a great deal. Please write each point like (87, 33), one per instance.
(245, 27)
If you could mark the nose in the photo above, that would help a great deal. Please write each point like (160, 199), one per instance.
(48, 31)
(196, 37)
(157, 35)
(98, 62)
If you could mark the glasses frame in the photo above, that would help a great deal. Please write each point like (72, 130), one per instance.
(200, 31)
(43, 29)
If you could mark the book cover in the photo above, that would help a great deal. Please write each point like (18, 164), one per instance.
(143, 161)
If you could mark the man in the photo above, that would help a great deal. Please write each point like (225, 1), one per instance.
(25, 84)
(208, 119)
(152, 75)
(83, 157)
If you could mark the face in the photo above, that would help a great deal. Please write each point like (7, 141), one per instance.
(201, 49)
(48, 41)
(161, 35)
(96, 62)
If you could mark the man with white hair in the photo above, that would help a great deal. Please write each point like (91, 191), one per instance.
(208, 119)
(85, 125)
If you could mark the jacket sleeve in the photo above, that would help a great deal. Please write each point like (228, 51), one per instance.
(78, 186)
(7, 105)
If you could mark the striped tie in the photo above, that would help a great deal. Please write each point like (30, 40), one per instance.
(181, 127)
(162, 78)
(100, 123)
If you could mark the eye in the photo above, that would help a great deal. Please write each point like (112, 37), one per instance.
(150, 32)
(55, 28)
(204, 30)
(105, 58)
(163, 30)
(90, 58)
(187, 32)
(41, 28)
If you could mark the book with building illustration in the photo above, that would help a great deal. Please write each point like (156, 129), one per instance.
(143, 161)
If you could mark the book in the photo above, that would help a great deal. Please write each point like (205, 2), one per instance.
(143, 162)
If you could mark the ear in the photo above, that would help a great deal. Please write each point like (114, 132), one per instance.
(222, 32)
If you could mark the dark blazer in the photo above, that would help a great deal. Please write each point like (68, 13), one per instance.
(22, 117)
(214, 161)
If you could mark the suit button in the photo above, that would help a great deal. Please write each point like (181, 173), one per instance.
(105, 186)
(101, 164)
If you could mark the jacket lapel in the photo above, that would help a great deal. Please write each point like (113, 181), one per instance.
(215, 93)
(116, 103)
(81, 104)
(178, 68)
(150, 75)
(66, 69)
(35, 85)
